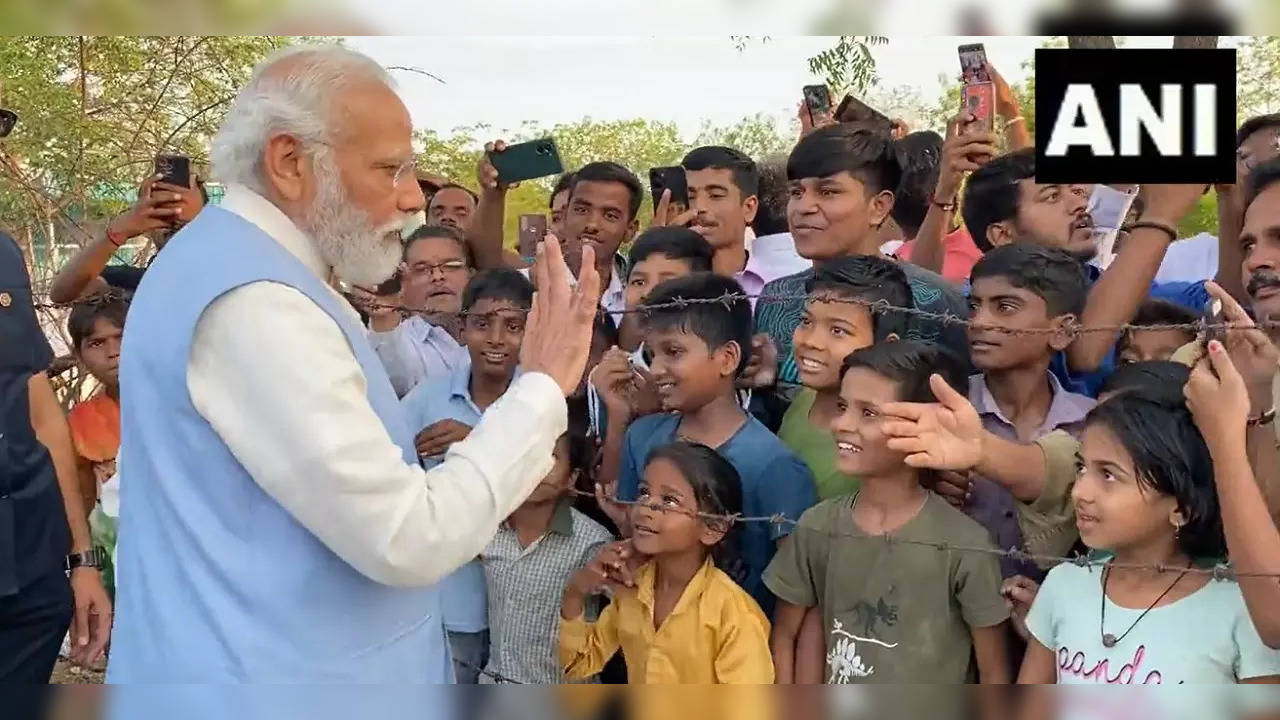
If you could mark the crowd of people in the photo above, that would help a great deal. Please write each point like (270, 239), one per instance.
(841, 418)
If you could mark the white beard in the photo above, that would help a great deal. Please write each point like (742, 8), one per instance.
(359, 253)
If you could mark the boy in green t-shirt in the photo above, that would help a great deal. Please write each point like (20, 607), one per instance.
(910, 611)
(837, 320)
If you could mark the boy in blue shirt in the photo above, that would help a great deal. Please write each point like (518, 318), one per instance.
(699, 349)
(443, 410)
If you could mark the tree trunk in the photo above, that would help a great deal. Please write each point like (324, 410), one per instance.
(1105, 42)
(1195, 41)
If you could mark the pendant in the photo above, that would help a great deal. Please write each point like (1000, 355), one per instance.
(1108, 640)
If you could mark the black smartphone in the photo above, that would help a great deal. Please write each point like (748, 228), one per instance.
(669, 178)
(532, 229)
(852, 109)
(817, 100)
(174, 169)
(973, 64)
(527, 160)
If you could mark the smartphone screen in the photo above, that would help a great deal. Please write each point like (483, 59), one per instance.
(980, 100)
(532, 229)
(669, 178)
(817, 100)
(973, 64)
(174, 169)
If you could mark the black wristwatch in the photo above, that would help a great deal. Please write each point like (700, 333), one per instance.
(91, 559)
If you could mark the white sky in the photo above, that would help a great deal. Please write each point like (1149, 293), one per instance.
(504, 80)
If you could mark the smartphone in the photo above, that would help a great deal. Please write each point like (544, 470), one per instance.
(817, 100)
(973, 64)
(852, 109)
(669, 178)
(980, 100)
(527, 160)
(531, 231)
(174, 169)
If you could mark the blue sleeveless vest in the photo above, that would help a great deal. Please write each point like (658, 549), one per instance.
(217, 582)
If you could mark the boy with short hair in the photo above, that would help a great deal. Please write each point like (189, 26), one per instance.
(528, 564)
(659, 254)
(1156, 343)
(1023, 301)
(699, 348)
(444, 409)
(842, 180)
(837, 320)
(892, 613)
(96, 327)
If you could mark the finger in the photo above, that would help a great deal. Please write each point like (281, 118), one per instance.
(662, 208)
(1231, 310)
(586, 298)
(100, 633)
(683, 218)
(145, 189)
(1222, 365)
(904, 410)
(942, 487)
(900, 428)
(909, 445)
(80, 627)
(177, 190)
(947, 395)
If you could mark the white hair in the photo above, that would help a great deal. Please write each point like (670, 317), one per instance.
(292, 92)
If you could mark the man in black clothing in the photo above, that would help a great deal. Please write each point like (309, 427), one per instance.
(39, 503)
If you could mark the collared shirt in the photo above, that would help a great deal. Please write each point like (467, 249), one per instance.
(448, 397)
(316, 446)
(614, 297)
(992, 505)
(416, 350)
(525, 585)
(715, 634)
(33, 523)
(770, 257)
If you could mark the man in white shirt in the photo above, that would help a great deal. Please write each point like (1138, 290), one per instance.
(275, 526)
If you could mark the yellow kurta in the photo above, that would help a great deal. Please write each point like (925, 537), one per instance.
(716, 634)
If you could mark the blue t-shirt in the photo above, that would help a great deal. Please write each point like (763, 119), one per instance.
(774, 480)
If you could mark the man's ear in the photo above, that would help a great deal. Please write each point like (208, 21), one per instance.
(1064, 332)
(880, 207)
(749, 208)
(1001, 233)
(285, 167)
(632, 229)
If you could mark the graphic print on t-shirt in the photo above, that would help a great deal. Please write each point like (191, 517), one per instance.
(843, 660)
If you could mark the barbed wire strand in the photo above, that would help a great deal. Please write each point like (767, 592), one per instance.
(727, 299)
(1220, 571)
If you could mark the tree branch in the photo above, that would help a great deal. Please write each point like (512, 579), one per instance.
(417, 70)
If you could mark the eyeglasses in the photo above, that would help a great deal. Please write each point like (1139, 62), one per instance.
(448, 267)
(394, 173)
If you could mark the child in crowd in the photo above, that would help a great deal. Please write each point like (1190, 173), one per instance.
(679, 618)
(527, 566)
(893, 613)
(1022, 301)
(96, 327)
(444, 409)
(437, 266)
(699, 349)
(1145, 494)
(1156, 343)
(837, 320)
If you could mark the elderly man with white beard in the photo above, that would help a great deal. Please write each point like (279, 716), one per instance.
(276, 525)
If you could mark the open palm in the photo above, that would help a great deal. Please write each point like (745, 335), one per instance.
(946, 435)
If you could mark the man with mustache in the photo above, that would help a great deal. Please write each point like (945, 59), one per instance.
(452, 205)
(276, 526)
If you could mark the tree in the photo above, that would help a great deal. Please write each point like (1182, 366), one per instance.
(1257, 77)
(848, 66)
(757, 135)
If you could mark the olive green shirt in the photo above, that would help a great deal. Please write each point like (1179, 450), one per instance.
(816, 446)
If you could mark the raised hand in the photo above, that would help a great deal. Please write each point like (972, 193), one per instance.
(153, 211)
(1252, 353)
(557, 338)
(1019, 593)
(668, 214)
(487, 174)
(762, 367)
(946, 435)
(965, 149)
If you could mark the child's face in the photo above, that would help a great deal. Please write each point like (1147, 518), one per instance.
(556, 481)
(827, 333)
(995, 303)
(650, 273)
(1148, 345)
(686, 373)
(1113, 510)
(861, 447)
(493, 336)
(654, 530)
(100, 352)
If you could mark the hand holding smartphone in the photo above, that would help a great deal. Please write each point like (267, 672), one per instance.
(526, 161)
(817, 103)
(669, 178)
(174, 170)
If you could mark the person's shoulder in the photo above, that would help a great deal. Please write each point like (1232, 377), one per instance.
(431, 394)
(952, 524)
(760, 441)
(655, 422)
(726, 599)
(787, 282)
(1070, 575)
(826, 514)
(587, 529)
(929, 288)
